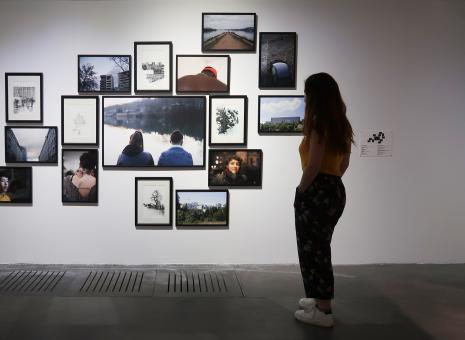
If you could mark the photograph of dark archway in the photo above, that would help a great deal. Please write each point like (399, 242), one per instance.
(277, 67)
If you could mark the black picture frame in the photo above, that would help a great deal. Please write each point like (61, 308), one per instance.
(207, 45)
(19, 185)
(15, 152)
(284, 129)
(70, 193)
(199, 82)
(196, 106)
(79, 119)
(212, 121)
(277, 65)
(24, 100)
(202, 207)
(138, 63)
(250, 163)
(138, 206)
(85, 87)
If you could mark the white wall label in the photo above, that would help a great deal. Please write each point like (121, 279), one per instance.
(376, 143)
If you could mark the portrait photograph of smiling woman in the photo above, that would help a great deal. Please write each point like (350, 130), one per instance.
(228, 168)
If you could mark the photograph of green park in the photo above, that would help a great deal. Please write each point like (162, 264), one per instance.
(202, 208)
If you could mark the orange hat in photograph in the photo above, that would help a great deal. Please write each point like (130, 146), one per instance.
(211, 70)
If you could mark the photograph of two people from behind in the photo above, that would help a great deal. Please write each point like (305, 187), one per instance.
(134, 155)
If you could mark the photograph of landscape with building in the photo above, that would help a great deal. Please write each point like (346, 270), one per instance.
(153, 71)
(228, 32)
(281, 114)
(31, 144)
(104, 73)
(277, 60)
(23, 97)
(154, 131)
(80, 175)
(202, 208)
(154, 201)
(15, 184)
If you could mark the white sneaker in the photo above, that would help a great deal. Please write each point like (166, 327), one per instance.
(314, 316)
(306, 303)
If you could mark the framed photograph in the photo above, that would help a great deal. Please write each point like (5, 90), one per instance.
(79, 178)
(153, 66)
(79, 120)
(146, 131)
(202, 73)
(104, 73)
(32, 144)
(277, 67)
(235, 168)
(228, 120)
(15, 185)
(202, 208)
(229, 32)
(24, 97)
(281, 114)
(154, 201)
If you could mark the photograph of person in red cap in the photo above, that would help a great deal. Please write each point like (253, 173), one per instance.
(206, 74)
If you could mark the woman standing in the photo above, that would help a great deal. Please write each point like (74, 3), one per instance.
(320, 197)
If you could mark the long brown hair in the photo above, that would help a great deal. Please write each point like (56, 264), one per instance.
(325, 113)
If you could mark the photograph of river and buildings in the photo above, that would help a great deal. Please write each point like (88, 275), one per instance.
(228, 32)
(172, 131)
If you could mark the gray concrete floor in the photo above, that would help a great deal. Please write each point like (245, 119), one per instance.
(372, 302)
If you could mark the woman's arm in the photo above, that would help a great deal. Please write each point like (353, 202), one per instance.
(345, 163)
(316, 152)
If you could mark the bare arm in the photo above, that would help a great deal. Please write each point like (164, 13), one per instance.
(345, 163)
(316, 152)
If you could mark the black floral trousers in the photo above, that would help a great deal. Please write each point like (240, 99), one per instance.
(317, 211)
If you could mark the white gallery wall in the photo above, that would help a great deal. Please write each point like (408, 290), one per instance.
(400, 65)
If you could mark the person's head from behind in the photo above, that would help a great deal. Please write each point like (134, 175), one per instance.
(4, 183)
(325, 112)
(234, 164)
(176, 138)
(137, 139)
(79, 172)
(87, 162)
(210, 71)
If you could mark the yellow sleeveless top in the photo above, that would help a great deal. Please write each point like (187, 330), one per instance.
(331, 163)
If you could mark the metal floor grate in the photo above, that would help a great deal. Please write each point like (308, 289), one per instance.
(109, 283)
(30, 281)
(197, 283)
